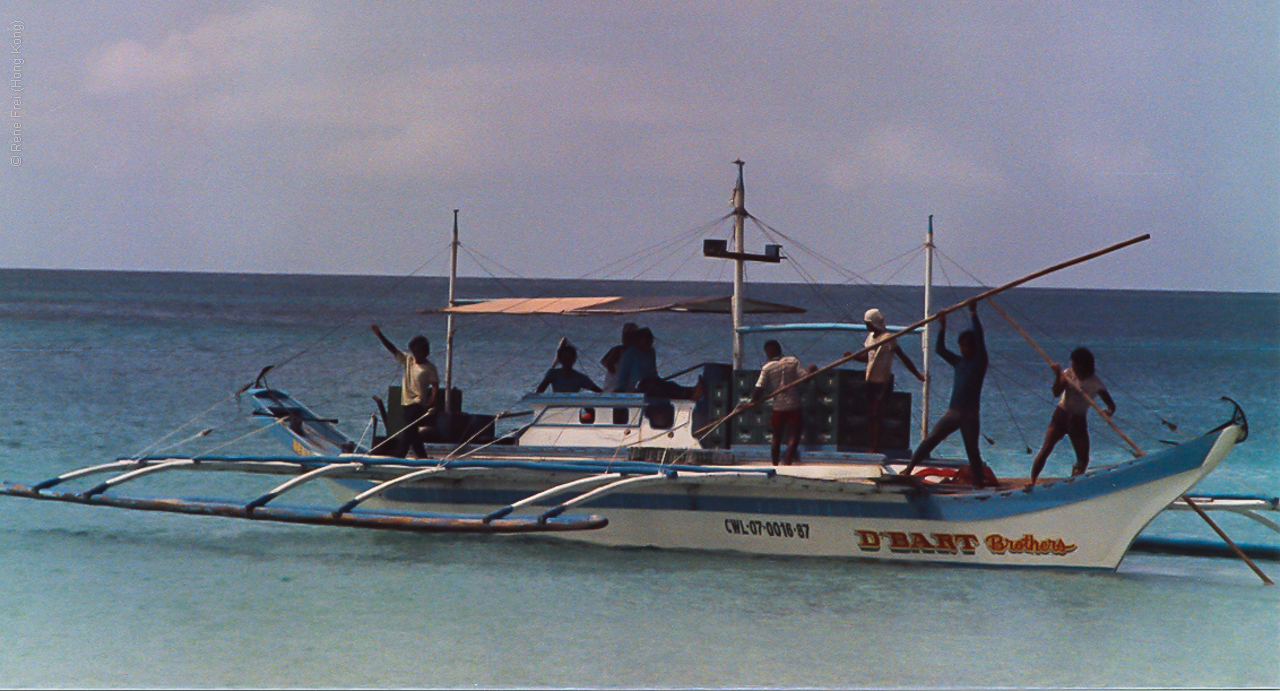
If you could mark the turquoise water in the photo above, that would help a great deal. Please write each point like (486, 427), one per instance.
(102, 365)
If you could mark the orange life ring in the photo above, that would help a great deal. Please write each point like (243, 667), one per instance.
(926, 473)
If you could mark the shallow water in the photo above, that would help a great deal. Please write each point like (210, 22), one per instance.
(103, 365)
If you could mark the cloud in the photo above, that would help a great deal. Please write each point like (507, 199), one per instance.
(914, 155)
(213, 52)
(533, 114)
(1038, 117)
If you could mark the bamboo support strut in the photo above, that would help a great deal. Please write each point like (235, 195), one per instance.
(982, 296)
(1137, 450)
(1227, 540)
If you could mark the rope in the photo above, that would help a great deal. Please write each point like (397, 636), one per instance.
(496, 439)
(362, 310)
(246, 435)
(373, 421)
(1009, 410)
(1024, 319)
(147, 449)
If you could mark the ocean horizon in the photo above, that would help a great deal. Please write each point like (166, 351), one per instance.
(105, 364)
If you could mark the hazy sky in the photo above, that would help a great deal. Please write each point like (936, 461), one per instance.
(299, 137)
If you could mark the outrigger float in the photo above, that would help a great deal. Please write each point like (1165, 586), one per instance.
(648, 472)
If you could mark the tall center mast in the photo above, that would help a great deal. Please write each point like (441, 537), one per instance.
(448, 323)
(719, 249)
(928, 328)
(739, 268)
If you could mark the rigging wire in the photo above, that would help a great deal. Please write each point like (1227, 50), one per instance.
(543, 319)
(877, 290)
(242, 437)
(1004, 398)
(1037, 391)
(362, 310)
(669, 248)
(1063, 347)
(612, 268)
(326, 336)
(145, 450)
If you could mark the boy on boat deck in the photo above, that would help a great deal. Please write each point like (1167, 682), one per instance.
(638, 371)
(613, 358)
(417, 391)
(964, 412)
(564, 378)
(1069, 416)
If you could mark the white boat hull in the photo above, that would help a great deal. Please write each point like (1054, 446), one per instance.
(1083, 522)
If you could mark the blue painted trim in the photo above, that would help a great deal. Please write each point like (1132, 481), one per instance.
(1093, 484)
(968, 506)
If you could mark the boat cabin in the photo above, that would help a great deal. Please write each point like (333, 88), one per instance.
(609, 420)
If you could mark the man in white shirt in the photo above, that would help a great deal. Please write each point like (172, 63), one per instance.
(418, 390)
(879, 382)
(778, 374)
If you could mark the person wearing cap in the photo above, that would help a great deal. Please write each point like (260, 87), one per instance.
(879, 378)
(638, 371)
(418, 389)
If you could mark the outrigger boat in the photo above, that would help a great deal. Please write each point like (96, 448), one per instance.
(648, 472)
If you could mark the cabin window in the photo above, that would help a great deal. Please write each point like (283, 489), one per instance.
(587, 416)
(660, 415)
(621, 416)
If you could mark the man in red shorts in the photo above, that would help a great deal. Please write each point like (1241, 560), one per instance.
(777, 373)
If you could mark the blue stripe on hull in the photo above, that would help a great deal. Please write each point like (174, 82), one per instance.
(967, 506)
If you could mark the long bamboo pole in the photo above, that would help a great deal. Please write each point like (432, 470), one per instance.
(1137, 450)
(1227, 540)
(893, 336)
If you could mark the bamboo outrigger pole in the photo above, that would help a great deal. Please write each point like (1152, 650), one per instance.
(1136, 449)
(981, 296)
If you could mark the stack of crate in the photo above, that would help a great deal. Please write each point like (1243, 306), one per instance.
(835, 413)
(896, 432)
(834, 409)
(715, 405)
(750, 426)
(719, 401)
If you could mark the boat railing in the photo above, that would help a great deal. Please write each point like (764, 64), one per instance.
(610, 420)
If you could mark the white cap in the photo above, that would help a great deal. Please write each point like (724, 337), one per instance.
(874, 316)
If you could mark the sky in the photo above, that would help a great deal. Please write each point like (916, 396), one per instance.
(338, 138)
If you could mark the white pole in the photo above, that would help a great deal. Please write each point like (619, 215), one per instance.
(739, 220)
(927, 332)
(448, 325)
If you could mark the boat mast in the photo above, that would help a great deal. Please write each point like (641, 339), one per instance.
(739, 222)
(448, 324)
(928, 327)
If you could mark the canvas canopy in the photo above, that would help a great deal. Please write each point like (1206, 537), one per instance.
(616, 305)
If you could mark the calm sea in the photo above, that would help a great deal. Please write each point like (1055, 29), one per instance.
(103, 365)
